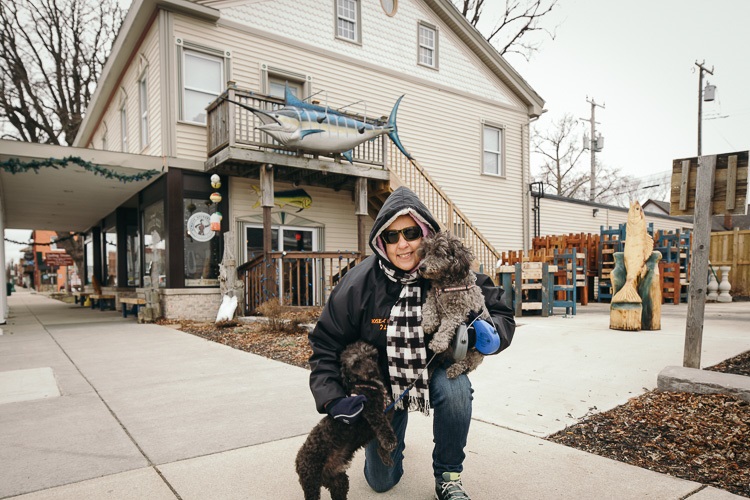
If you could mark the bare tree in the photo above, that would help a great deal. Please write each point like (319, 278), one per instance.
(559, 150)
(51, 56)
(510, 31)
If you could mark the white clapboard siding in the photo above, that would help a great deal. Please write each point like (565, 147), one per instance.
(110, 122)
(440, 121)
(333, 210)
(572, 216)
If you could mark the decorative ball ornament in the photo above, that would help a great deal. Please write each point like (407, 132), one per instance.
(221, 217)
(215, 221)
(215, 197)
(215, 181)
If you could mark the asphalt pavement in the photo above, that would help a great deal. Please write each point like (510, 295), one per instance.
(95, 406)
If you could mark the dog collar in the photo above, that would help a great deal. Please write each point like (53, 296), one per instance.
(449, 289)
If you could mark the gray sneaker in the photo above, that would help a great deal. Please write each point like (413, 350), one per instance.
(450, 487)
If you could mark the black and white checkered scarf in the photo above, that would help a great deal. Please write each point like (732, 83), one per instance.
(405, 343)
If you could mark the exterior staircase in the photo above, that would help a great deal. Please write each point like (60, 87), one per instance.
(410, 173)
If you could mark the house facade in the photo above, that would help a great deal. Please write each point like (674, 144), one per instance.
(179, 83)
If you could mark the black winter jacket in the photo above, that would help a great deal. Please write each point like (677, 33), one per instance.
(360, 305)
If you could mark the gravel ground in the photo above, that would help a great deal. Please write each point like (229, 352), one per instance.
(698, 437)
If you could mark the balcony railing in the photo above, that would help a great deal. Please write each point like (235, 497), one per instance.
(295, 278)
(230, 125)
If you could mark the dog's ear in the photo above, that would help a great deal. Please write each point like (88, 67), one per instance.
(462, 257)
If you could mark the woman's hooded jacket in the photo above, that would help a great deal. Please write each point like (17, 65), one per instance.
(360, 305)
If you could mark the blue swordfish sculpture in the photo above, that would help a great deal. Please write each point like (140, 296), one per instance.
(301, 125)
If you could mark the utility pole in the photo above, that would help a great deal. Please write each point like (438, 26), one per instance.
(702, 69)
(595, 145)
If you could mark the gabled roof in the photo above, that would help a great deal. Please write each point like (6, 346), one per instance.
(661, 205)
(141, 12)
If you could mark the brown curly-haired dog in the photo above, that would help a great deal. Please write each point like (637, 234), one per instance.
(446, 262)
(330, 447)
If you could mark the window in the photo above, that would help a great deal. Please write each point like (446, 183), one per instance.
(143, 100)
(492, 145)
(109, 242)
(133, 255)
(277, 85)
(155, 245)
(427, 45)
(202, 245)
(347, 20)
(203, 81)
(124, 127)
(89, 256)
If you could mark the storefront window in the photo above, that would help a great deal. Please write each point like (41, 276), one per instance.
(133, 256)
(155, 245)
(89, 249)
(110, 259)
(202, 245)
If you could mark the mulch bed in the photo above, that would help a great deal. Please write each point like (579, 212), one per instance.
(698, 437)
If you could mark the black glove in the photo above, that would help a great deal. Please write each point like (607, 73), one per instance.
(347, 410)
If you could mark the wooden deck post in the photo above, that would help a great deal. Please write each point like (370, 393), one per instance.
(266, 201)
(360, 210)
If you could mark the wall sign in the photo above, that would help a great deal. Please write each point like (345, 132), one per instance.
(199, 226)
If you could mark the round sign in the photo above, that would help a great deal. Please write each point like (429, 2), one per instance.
(199, 226)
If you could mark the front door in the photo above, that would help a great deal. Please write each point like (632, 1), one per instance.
(297, 283)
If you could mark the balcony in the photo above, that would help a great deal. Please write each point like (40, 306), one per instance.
(237, 147)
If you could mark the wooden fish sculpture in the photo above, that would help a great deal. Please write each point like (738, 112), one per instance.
(308, 127)
(638, 247)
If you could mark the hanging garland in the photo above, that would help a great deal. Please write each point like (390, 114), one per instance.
(58, 240)
(16, 166)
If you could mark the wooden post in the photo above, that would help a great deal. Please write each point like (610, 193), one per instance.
(266, 201)
(360, 210)
(231, 120)
(699, 262)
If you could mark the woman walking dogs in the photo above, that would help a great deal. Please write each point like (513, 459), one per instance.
(379, 301)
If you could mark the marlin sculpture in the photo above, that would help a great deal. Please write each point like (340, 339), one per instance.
(300, 125)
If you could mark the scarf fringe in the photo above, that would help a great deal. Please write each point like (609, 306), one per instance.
(415, 404)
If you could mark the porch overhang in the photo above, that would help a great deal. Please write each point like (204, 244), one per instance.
(245, 162)
(70, 198)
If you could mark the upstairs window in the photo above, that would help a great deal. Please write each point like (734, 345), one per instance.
(428, 43)
(124, 127)
(143, 100)
(347, 20)
(202, 83)
(492, 145)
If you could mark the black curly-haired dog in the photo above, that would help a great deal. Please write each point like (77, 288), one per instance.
(447, 262)
(330, 447)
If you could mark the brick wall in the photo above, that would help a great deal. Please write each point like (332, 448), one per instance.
(198, 304)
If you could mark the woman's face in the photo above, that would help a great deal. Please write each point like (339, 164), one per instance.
(403, 254)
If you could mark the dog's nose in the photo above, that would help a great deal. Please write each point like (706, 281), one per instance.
(422, 268)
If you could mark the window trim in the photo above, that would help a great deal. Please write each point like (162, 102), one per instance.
(185, 45)
(435, 49)
(268, 72)
(501, 154)
(357, 22)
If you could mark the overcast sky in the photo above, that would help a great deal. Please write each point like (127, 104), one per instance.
(638, 58)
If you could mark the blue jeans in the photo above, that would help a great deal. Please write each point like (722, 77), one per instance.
(451, 403)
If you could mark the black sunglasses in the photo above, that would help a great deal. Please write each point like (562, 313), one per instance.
(410, 233)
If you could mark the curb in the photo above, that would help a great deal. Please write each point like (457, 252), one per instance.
(681, 379)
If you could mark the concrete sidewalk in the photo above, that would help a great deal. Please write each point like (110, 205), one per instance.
(95, 406)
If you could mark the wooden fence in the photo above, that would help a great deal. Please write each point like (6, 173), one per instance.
(732, 248)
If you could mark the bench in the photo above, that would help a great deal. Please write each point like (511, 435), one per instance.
(102, 301)
(136, 303)
(80, 297)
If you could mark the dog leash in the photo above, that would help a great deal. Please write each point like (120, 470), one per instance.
(410, 387)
